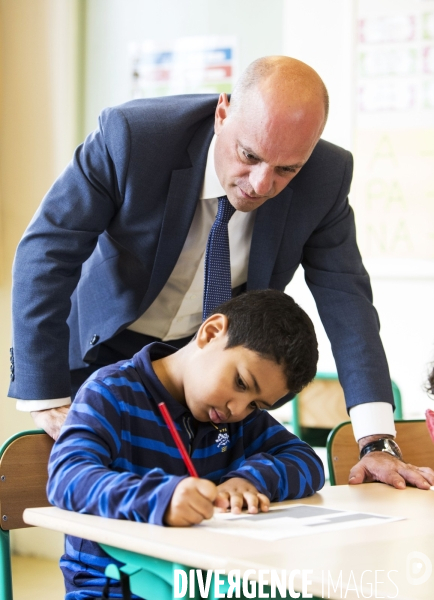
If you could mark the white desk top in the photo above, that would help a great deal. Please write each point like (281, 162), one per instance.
(383, 548)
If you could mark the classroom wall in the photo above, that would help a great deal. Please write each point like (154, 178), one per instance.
(44, 112)
(323, 35)
(38, 88)
(113, 24)
(48, 105)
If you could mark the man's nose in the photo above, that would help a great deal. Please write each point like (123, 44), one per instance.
(262, 180)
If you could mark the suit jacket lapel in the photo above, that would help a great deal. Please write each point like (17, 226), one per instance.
(184, 190)
(269, 226)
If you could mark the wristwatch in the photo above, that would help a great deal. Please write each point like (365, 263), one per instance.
(382, 445)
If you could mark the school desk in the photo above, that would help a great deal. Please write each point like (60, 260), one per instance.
(361, 554)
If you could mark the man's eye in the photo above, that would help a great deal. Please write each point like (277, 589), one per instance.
(253, 405)
(249, 156)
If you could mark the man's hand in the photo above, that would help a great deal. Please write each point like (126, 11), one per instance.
(236, 493)
(51, 420)
(191, 503)
(383, 467)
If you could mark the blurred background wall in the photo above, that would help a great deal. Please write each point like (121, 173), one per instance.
(39, 100)
(63, 61)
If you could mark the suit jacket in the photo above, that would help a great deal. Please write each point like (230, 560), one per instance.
(110, 230)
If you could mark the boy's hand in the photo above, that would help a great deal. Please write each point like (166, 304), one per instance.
(192, 502)
(236, 493)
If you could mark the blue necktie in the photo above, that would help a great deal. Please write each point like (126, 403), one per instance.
(217, 287)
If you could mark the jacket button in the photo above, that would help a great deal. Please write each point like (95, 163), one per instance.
(94, 340)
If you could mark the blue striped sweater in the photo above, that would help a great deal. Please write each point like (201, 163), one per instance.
(116, 458)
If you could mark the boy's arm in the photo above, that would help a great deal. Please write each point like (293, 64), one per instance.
(278, 464)
(87, 473)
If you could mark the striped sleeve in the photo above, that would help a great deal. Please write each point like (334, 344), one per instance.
(277, 463)
(82, 476)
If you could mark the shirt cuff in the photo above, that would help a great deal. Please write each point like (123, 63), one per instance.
(31, 405)
(372, 418)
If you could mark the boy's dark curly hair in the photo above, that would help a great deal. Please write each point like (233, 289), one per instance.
(270, 323)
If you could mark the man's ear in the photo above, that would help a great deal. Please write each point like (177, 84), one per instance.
(221, 112)
(213, 328)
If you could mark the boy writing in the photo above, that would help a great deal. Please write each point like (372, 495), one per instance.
(116, 458)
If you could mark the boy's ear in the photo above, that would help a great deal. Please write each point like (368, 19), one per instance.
(215, 327)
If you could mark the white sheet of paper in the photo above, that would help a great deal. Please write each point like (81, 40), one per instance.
(292, 521)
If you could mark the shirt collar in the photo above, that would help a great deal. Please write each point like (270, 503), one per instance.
(143, 363)
(212, 188)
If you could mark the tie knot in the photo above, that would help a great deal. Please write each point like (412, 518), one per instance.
(225, 210)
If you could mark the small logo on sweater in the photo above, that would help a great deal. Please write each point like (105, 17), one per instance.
(222, 440)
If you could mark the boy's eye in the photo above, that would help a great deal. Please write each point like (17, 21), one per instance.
(241, 384)
(253, 405)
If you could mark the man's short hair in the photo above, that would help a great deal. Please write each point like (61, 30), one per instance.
(257, 72)
(271, 324)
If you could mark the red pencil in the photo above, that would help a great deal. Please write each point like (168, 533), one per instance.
(170, 424)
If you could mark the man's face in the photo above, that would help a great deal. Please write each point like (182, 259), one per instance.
(261, 147)
(224, 385)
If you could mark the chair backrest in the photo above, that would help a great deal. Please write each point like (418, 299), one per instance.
(343, 452)
(321, 405)
(23, 476)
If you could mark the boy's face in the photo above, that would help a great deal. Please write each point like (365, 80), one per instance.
(224, 385)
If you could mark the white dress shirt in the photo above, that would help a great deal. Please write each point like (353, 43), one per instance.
(177, 311)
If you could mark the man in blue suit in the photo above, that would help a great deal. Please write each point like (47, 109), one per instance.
(113, 258)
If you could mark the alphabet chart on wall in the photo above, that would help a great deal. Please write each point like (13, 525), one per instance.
(393, 190)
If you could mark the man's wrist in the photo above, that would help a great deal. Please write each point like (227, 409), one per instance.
(384, 444)
(373, 438)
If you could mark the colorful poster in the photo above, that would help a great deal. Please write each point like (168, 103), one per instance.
(201, 64)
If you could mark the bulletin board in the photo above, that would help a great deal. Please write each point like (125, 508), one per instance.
(393, 186)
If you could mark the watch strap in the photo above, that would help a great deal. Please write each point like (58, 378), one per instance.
(382, 445)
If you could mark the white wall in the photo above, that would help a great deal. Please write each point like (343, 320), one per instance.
(322, 34)
(113, 24)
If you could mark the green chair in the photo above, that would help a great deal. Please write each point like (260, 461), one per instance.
(147, 577)
(153, 578)
(321, 406)
(343, 451)
(23, 479)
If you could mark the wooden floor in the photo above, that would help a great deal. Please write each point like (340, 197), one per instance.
(36, 579)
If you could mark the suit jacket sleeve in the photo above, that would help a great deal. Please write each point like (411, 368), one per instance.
(340, 285)
(47, 266)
